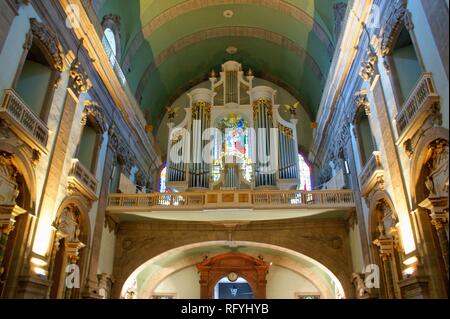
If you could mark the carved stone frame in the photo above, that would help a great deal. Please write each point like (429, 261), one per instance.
(362, 110)
(46, 40)
(93, 115)
(113, 22)
(398, 19)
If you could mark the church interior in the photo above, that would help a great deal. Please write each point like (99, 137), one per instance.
(232, 149)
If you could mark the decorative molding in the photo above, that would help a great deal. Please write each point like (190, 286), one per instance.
(393, 25)
(50, 42)
(93, 111)
(362, 104)
(369, 66)
(78, 79)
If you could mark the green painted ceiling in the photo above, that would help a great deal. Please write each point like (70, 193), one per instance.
(168, 46)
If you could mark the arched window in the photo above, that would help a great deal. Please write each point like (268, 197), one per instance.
(110, 44)
(163, 180)
(305, 174)
(406, 66)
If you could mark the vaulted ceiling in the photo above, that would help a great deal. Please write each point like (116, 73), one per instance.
(168, 46)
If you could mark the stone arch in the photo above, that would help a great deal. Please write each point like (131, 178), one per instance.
(112, 22)
(17, 206)
(48, 43)
(419, 157)
(73, 229)
(431, 209)
(376, 198)
(312, 277)
(21, 160)
(387, 251)
(342, 282)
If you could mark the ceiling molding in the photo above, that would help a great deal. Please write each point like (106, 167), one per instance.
(193, 5)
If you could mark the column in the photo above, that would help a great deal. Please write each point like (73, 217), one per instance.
(91, 289)
(78, 84)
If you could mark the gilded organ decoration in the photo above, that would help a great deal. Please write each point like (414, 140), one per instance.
(233, 137)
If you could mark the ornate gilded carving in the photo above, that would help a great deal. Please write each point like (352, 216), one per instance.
(49, 41)
(93, 111)
(78, 80)
(408, 148)
(358, 280)
(261, 104)
(368, 67)
(362, 102)
(392, 26)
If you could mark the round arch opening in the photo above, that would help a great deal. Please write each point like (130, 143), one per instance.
(322, 281)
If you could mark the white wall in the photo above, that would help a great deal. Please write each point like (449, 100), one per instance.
(106, 259)
(283, 283)
(185, 283)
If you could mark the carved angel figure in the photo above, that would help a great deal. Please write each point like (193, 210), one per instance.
(292, 108)
(360, 285)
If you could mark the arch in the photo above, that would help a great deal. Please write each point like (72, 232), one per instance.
(48, 43)
(25, 166)
(419, 156)
(81, 206)
(375, 200)
(383, 233)
(112, 22)
(341, 281)
(220, 32)
(152, 283)
(192, 5)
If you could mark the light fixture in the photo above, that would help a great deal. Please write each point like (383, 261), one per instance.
(232, 50)
(408, 272)
(40, 271)
(410, 261)
(38, 262)
(228, 14)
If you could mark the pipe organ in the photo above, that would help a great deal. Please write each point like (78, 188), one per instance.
(232, 137)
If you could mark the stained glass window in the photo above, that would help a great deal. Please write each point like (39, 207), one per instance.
(163, 180)
(109, 42)
(305, 174)
(235, 145)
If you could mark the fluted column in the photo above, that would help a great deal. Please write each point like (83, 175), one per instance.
(439, 224)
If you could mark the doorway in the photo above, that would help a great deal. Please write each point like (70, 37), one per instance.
(233, 287)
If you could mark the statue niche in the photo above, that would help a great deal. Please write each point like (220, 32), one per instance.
(437, 163)
(9, 189)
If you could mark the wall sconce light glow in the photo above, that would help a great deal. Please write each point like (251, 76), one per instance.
(410, 261)
(39, 271)
(38, 262)
(407, 238)
(42, 241)
(408, 272)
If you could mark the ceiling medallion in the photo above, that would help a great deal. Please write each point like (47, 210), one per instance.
(232, 50)
(228, 14)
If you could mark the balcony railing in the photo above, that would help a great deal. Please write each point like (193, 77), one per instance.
(273, 199)
(421, 99)
(83, 180)
(23, 120)
(371, 172)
